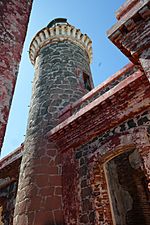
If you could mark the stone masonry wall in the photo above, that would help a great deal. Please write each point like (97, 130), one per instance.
(55, 85)
(14, 16)
(106, 88)
(58, 63)
(114, 80)
(85, 195)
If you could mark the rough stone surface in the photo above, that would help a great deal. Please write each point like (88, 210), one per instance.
(14, 16)
(104, 113)
(85, 162)
(121, 75)
(56, 84)
(89, 179)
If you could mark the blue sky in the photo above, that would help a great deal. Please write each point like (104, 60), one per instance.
(91, 17)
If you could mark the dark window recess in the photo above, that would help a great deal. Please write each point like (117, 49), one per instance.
(128, 189)
(87, 83)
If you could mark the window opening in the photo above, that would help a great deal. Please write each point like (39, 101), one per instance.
(87, 83)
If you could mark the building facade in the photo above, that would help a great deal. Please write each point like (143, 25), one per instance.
(86, 155)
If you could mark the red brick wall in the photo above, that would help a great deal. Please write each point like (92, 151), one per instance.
(70, 190)
(131, 34)
(84, 175)
(14, 16)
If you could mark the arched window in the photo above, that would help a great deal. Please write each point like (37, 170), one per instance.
(127, 189)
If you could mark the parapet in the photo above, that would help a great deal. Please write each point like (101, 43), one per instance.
(125, 8)
(59, 30)
(131, 32)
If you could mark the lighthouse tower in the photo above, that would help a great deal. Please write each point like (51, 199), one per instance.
(61, 55)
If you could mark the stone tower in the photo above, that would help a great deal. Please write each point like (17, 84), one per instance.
(61, 55)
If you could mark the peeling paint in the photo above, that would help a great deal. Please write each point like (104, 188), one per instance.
(14, 18)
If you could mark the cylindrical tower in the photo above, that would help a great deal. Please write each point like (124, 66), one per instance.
(61, 55)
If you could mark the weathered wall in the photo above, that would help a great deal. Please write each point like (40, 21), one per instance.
(9, 176)
(8, 197)
(131, 34)
(99, 129)
(91, 203)
(127, 187)
(55, 85)
(107, 85)
(14, 16)
(72, 187)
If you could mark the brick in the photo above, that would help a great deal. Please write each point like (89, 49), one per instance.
(53, 202)
(44, 217)
(55, 180)
(41, 180)
(58, 191)
(35, 203)
(46, 169)
(58, 214)
(46, 191)
(84, 219)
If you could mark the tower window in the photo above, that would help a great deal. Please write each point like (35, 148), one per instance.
(84, 79)
(87, 83)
